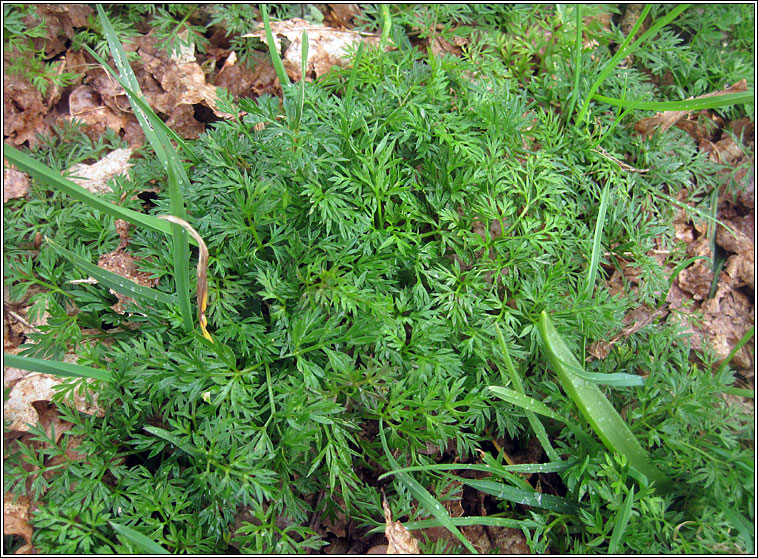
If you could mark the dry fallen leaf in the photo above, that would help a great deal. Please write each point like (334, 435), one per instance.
(326, 45)
(23, 111)
(15, 183)
(16, 519)
(19, 408)
(87, 104)
(95, 177)
(400, 539)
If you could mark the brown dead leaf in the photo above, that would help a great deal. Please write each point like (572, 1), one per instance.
(23, 111)
(726, 318)
(400, 539)
(19, 407)
(339, 16)
(124, 264)
(740, 267)
(86, 104)
(326, 45)
(15, 183)
(696, 279)
(60, 21)
(506, 540)
(16, 518)
(241, 81)
(95, 177)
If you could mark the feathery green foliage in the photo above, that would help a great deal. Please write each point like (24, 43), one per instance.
(377, 260)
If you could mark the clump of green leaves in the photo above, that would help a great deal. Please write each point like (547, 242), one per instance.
(371, 255)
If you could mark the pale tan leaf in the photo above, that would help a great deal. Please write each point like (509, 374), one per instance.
(400, 539)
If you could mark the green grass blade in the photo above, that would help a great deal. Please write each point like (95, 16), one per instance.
(622, 520)
(427, 501)
(743, 98)
(57, 368)
(148, 545)
(589, 286)
(520, 496)
(473, 520)
(536, 424)
(745, 338)
(525, 402)
(618, 379)
(301, 89)
(745, 528)
(577, 61)
(276, 60)
(129, 82)
(111, 280)
(177, 176)
(625, 51)
(45, 174)
(551, 467)
(354, 73)
(386, 25)
(595, 407)
(740, 392)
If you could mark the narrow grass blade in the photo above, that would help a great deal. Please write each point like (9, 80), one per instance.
(744, 98)
(153, 128)
(532, 405)
(148, 545)
(618, 379)
(577, 61)
(622, 520)
(149, 121)
(121, 285)
(589, 286)
(386, 25)
(301, 89)
(519, 496)
(745, 338)
(276, 60)
(745, 528)
(625, 51)
(525, 402)
(173, 439)
(45, 174)
(552, 467)
(57, 368)
(427, 501)
(602, 417)
(353, 73)
(474, 520)
(202, 273)
(536, 424)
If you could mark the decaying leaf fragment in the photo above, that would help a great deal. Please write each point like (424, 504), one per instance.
(16, 520)
(326, 45)
(15, 183)
(400, 539)
(95, 177)
(35, 387)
